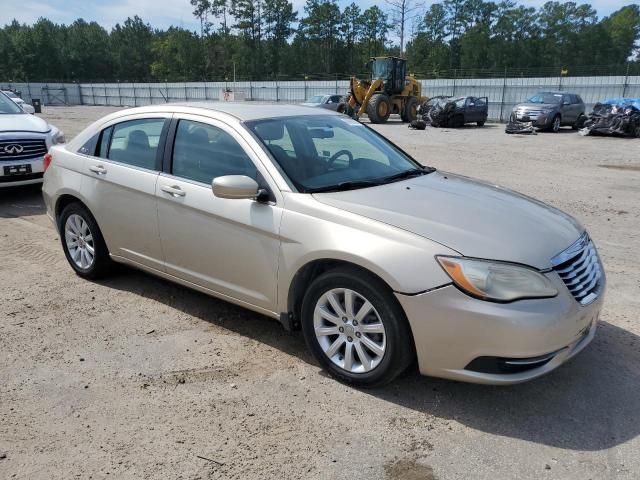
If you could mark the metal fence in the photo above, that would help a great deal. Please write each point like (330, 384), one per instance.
(503, 93)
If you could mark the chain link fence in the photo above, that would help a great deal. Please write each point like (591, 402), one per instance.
(504, 91)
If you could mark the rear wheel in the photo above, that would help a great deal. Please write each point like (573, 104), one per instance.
(379, 108)
(355, 328)
(82, 242)
(481, 124)
(410, 112)
(579, 123)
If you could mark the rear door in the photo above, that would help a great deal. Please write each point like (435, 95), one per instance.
(119, 186)
(569, 110)
(228, 246)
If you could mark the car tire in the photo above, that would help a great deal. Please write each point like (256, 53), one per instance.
(410, 112)
(555, 124)
(579, 123)
(83, 243)
(363, 367)
(379, 108)
(480, 124)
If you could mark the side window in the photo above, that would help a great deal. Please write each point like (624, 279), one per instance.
(335, 99)
(136, 142)
(203, 152)
(481, 102)
(566, 99)
(89, 148)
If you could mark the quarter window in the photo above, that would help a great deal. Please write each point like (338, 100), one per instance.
(136, 142)
(203, 152)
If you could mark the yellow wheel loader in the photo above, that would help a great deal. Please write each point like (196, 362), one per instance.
(390, 90)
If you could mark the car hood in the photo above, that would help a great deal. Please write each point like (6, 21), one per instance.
(537, 106)
(308, 104)
(23, 122)
(474, 218)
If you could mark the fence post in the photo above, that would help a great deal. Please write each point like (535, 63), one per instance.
(93, 94)
(336, 83)
(626, 82)
(504, 88)
(119, 95)
(150, 95)
(277, 91)
(185, 92)
(250, 90)
(306, 92)
(455, 73)
(29, 91)
(80, 94)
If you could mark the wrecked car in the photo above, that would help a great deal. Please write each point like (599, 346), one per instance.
(443, 111)
(616, 116)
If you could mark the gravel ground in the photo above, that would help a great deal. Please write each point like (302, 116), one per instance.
(134, 377)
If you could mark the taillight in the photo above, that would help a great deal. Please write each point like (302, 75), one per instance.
(47, 161)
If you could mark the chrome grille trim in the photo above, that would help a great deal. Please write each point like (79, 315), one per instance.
(579, 268)
(30, 148)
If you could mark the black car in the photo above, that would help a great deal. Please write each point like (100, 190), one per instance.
(445, 111)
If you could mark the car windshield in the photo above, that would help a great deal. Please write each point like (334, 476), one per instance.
(381, 70)
(545, 98)
(7, 106)
(327, 153)
(316, 99)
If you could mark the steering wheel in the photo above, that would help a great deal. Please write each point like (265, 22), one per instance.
(337, 155)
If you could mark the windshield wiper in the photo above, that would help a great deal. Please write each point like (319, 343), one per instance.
(345, 186)
(405, 174)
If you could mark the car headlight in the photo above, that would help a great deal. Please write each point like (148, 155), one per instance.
(58, 138)
(496, 281)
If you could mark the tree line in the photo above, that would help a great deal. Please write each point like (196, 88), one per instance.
(266, 39)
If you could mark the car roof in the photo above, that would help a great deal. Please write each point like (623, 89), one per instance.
(241, 110)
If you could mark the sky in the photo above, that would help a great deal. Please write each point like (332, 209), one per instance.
(171, 12)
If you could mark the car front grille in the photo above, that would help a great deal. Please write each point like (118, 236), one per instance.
(580, 269)
(531, 114)
(21, 149)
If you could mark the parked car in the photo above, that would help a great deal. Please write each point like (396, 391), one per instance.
(444, 111)
(330, 102)
(19, 101)
(24, 139)
(312, 218)
(552, 110)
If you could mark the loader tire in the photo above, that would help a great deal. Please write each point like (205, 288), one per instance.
(379, 108)
(410, 112)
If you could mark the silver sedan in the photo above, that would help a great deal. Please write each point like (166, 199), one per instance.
(311, 218)
(330, 102)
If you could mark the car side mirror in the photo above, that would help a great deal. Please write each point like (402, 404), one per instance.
(235, 187)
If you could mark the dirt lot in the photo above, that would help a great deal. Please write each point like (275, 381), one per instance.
(134, 377)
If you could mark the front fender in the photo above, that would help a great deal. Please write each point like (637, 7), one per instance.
(313, 231)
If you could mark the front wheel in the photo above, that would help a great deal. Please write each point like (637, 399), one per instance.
(379, 108)
(355, 328)
(82, 242)
(410, 112)
(555, 124)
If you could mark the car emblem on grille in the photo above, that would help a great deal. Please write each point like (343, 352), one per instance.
(13, 149)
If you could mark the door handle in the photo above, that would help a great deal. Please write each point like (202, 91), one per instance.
(173, 190)
(99, 169)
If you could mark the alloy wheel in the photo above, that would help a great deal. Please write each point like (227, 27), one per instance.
(349, 330)
(79, 241)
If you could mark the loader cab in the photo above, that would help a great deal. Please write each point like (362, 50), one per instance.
(391, 70)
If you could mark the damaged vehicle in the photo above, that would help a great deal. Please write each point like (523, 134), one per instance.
(316, 220)
(616, 116)
(551, 110)
(443, 111)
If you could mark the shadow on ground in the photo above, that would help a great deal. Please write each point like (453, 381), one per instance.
(21, 201)
(591, 403)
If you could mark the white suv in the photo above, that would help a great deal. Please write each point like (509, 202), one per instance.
(24, 141)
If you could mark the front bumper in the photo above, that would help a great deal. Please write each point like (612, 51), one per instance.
(37, 171)
(451, 330)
